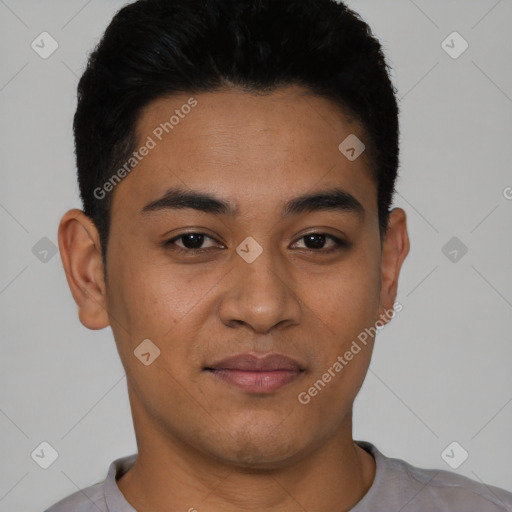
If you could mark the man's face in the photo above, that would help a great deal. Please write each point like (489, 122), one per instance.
(303, 297)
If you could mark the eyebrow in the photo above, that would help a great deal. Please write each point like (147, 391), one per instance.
(332, 199)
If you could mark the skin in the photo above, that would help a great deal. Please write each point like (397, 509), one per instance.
(203, 443)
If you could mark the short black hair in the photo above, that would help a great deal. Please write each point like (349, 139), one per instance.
(154, 48)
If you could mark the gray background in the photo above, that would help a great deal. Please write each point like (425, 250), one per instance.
(440, 371)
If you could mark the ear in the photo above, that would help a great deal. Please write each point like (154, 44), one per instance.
(395, 248)
(80, 252)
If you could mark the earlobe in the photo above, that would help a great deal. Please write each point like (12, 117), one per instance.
(80, 252)
(395, 248)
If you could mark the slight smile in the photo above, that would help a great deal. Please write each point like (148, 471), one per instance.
(257, 374)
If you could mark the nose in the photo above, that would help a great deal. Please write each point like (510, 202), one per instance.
(260, 294)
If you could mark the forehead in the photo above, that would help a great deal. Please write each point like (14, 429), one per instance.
(252, 148)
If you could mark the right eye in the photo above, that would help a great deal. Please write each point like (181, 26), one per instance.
(192, 242)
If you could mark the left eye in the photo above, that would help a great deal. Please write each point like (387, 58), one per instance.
(193, 242)
(318, 239)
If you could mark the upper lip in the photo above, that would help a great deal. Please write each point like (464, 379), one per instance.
(252, 362)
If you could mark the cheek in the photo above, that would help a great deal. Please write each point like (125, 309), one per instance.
(163, 304)
(347, 307)
(154, 298)
(347, 300)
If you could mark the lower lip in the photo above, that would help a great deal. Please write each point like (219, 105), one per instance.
(257, 382)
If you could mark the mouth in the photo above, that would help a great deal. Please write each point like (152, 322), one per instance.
(255, 374)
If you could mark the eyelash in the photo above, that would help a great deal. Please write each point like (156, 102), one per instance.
(340, 244)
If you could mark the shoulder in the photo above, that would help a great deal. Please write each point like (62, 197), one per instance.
(411, 488)
(90, 499)
(102, 496)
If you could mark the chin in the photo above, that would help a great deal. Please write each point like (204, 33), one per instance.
(262, 451)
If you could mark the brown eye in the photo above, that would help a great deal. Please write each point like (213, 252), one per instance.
(316, 242)
(190, 242)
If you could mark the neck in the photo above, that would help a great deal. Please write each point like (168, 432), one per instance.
(170, 475)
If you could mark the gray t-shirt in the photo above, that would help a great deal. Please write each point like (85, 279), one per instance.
(398, 486)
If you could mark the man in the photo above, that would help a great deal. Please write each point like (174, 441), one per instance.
(236, 162)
